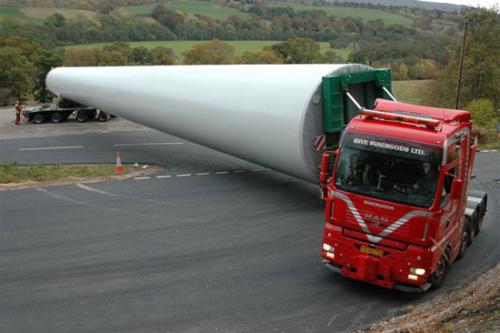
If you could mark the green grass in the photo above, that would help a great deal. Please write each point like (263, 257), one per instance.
(192, 7)
(411, 91)
(239, 46)
(13, 173)
(43, 13)
(364, 13)
(16, 14)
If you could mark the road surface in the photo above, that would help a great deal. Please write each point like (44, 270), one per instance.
(211, 243)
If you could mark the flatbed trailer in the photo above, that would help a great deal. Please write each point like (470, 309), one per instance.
(57, 113)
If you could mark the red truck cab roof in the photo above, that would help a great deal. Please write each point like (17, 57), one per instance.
(445, 115)
(449, 121)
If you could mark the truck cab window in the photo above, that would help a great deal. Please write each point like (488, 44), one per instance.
(448, 181)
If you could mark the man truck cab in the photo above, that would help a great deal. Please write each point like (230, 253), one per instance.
(396, 198)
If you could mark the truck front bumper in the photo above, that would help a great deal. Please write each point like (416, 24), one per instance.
(404, 269)
(395, 285)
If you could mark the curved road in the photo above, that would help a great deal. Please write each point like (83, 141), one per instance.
(212, 243)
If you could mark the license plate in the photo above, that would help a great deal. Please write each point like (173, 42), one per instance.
(370, 250)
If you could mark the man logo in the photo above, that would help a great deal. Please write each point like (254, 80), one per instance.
(377, 220)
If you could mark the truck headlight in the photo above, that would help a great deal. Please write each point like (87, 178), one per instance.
(330, 250)
(417, 271)
(412, 277)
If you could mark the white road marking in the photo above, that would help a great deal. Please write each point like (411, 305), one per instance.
(49, 148)
(203, 174)
(141, 178)
(164, 176)
(95, 190)
(147, 144)
(256, 170)
(184, 175)
(221, 172)
(78, 202)
(239, 171)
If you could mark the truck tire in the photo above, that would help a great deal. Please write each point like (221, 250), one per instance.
(56, 117)
(81, 116)
(466, 240)
(102, 117)
(437, 278)
(476, 223)
(39, 118)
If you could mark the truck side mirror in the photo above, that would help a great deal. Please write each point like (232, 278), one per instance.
(456, 188)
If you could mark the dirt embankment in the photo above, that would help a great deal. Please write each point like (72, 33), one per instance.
(473, 308)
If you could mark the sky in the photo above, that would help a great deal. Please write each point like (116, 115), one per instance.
(473, 3)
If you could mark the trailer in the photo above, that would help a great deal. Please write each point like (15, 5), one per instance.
(57, 113)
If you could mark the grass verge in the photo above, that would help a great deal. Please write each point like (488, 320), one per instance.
(411, 91)
(12, 173)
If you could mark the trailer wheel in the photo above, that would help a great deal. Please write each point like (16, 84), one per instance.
(56, 117)
(91, 114)
(81, 116)
(437, 278)
(38, 118)
(102, 117)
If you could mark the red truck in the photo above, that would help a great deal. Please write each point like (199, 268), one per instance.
(398, 206)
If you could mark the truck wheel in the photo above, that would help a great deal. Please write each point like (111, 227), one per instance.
(437, 278)
(81, 116)
(466, 240)
(102, 117)
(56, 117)
(38, 118)
(476, 222)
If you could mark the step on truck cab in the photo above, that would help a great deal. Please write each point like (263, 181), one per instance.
(398, 211)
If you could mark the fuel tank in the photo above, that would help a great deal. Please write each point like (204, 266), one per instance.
(266, 114)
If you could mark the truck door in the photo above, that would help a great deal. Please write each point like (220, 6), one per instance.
(452, 205)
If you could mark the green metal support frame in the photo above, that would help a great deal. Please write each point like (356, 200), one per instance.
(335, 102)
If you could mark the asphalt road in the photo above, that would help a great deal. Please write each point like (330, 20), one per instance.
(215, 245)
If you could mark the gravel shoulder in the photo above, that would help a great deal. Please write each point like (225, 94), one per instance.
(475, 307)
(8, 130)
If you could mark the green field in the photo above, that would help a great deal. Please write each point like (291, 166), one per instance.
(239, 46)
(220, 12)
(365, 13)
(16, 14)
(192, 7)
(412, 91)
(42, 13)
(38, 15)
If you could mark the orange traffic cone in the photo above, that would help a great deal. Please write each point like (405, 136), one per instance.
(118, 166)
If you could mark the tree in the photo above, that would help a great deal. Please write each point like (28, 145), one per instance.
(44, 61)
(15, 71)
(163, 56)
(265, 56)
(483, 112)
(55, 20)
(213, 52)
(298, 51)
(481, 69)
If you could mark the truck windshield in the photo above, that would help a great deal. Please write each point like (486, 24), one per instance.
(402, 172)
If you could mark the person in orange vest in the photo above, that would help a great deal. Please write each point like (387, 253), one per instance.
(19, 109)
